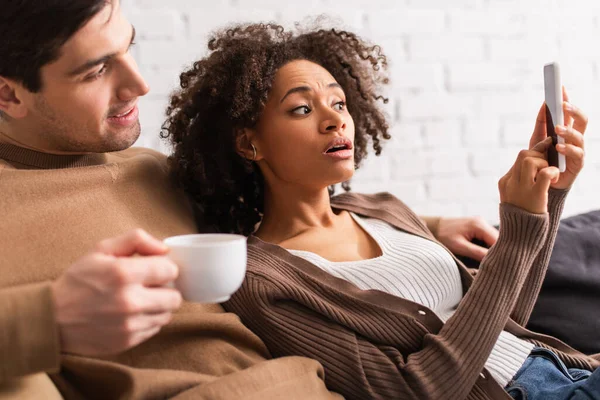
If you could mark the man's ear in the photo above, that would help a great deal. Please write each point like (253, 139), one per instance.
(10, 104)
(246, 145)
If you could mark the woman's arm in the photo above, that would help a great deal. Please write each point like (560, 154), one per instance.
(572, 132)
(533, 283)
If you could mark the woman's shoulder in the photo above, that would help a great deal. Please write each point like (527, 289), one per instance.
(271, 272)
(265, 258)
(272, 266)
(384, 206)
(369, 201)
(366, 198)
(366, 204)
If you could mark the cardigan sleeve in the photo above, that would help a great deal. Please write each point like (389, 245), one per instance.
(533, 284)
(292, 320)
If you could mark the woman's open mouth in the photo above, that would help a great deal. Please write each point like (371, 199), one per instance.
(340, 148)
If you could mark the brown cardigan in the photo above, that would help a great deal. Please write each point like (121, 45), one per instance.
(377, 346)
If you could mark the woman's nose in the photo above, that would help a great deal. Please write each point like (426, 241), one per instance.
(334, 122)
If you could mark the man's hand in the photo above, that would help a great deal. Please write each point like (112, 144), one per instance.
(457, 233)
(113, 298)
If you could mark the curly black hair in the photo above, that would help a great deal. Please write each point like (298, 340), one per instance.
(226, 91)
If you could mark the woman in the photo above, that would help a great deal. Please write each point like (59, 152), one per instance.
(263, 127)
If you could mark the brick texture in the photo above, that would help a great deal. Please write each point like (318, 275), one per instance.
(466, 83)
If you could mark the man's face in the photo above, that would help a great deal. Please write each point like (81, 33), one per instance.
(88, 101)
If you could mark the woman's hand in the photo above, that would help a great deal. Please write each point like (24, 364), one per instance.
(526, 184)
(575, 125)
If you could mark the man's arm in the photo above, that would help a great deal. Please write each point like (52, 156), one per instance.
(432, 223)
(465, 237)
(292, 378)
(29, 340)
(105, 303)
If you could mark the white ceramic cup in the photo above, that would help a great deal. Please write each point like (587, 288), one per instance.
(211, 266)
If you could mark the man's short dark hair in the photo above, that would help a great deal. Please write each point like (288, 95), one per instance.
(32, 33)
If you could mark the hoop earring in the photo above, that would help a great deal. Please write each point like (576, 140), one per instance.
(253, 152)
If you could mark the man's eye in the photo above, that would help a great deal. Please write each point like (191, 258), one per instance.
(302, 110)
(98, 74)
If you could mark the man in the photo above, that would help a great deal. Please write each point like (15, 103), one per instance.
(83, 308)
(68, 95)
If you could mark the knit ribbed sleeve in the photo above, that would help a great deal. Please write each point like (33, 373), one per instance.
(533, 283)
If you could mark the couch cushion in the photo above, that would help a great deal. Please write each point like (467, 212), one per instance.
(569, 303)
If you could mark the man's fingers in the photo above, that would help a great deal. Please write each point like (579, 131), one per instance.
(137, 299)
(488, 234)
(159, 300)
(142, 336)
(145, 322)
(147, 271)
(134, 242)
(472, 250)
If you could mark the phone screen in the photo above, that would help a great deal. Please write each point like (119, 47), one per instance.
(552, 153)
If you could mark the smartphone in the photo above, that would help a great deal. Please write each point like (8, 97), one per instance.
(554, 113)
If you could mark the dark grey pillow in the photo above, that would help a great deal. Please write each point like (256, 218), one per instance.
(568, 306)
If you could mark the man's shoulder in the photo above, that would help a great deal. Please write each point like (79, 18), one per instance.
(140, 156)
(133, 152)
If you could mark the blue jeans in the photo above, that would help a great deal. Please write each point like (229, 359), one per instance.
(544, 376)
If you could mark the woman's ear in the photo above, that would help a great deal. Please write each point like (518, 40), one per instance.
(246, 146)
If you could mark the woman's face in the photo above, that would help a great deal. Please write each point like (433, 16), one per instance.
(305, 135)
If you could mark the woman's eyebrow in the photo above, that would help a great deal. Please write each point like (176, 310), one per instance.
(308, 89)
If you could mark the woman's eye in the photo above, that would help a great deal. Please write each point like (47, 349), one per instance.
(339, 105)
(302, 110)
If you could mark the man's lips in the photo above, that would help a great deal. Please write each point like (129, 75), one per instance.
(125, 119)
(122, 113)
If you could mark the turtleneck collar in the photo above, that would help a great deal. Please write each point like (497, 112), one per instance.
(41, 160)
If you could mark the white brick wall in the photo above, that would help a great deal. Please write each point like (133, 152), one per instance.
(466, 83)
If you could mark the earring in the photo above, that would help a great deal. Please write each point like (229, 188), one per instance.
(253, 152)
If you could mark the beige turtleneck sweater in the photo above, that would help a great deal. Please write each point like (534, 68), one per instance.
(54, 209)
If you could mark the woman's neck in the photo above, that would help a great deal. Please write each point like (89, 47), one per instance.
(289, 212)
